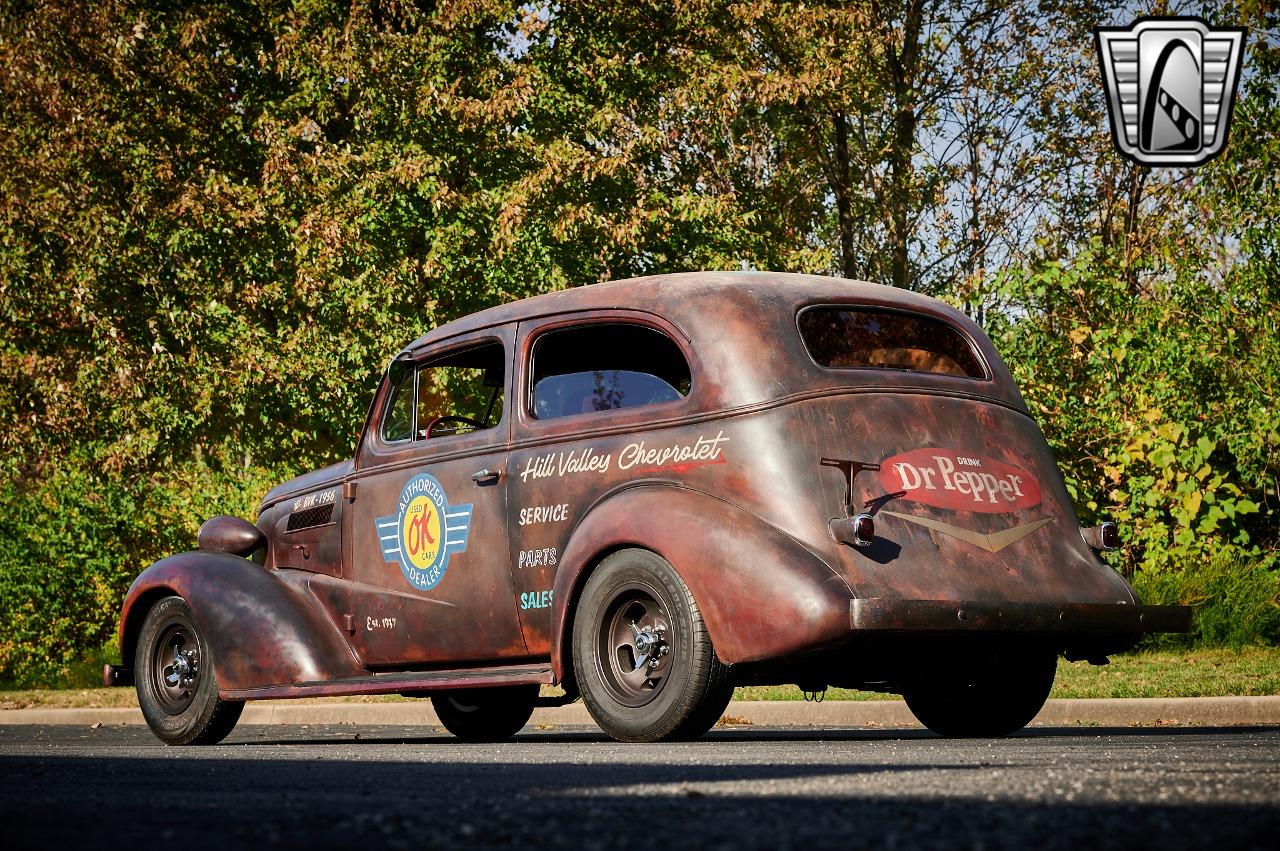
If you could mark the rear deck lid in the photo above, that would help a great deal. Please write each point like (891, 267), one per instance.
(967, 499)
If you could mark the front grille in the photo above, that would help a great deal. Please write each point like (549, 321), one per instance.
(317, 516)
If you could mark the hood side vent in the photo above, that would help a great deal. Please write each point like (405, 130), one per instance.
(306, 519)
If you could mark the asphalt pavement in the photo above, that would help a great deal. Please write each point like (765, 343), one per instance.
(1124, 712)
(365, 787)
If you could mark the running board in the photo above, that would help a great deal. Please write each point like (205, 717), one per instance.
(402, 681)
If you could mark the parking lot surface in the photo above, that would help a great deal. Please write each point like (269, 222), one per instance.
(746, 787)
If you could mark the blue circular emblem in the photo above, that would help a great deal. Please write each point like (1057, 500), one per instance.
(424, 532)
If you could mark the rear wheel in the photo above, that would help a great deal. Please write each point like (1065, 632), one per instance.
(485, 714)
(642, 656)
(175, 680)
(994, 695)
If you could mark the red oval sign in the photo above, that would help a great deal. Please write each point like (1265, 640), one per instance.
(950, 478)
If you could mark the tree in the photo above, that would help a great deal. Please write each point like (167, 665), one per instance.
(1147, 340)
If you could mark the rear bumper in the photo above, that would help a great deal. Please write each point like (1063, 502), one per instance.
(883, 614)
(117, 675)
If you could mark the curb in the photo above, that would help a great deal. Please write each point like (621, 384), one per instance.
(1128, 712)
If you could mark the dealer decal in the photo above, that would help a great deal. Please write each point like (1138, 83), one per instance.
(544, 514)
(425, 531)
(679, 457)
(638, 456)
(950, 478)
(535, 599)
(543, 557)
(316, 500)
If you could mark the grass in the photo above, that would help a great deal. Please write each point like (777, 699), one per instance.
(1199, 673)
(1248, 672)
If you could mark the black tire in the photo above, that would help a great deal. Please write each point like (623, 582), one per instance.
(993, 695)
(637, 593)
(181, 707)
(485, 714)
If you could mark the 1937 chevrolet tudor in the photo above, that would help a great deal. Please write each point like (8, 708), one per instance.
(650, 491)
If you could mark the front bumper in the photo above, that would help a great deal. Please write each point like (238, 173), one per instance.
(884, 614)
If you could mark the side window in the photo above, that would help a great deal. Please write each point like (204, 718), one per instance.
(459, 393)
(605, 367)
(462, 392)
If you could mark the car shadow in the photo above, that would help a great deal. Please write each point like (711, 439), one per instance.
(257, 736)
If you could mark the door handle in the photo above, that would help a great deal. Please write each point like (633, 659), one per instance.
(485, 475)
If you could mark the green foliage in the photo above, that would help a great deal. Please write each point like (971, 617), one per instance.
(1151, 354)
(1169, 426)
(1237, 602)
(219, 222)
(75, 542)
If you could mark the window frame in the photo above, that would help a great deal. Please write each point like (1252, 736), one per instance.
(987, 376)
(571, 422)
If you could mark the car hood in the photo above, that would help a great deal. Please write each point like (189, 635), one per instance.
(306, 482)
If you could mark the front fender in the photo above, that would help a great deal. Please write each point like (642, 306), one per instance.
(762, 594)
(263, 631)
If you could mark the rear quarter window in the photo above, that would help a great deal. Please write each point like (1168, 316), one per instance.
(866, 338)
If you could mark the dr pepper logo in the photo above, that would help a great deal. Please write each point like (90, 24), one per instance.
(949, 478)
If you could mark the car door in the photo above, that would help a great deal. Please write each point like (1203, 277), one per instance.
(594, 388)
(427, 525)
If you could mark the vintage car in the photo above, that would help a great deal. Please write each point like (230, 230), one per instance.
(648, 492)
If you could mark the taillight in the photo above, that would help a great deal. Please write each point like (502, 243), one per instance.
(858, 530)
(1105, 536)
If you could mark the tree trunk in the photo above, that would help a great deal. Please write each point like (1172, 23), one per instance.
(902, 64)
(844, 206)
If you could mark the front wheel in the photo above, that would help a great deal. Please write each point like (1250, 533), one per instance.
(642, 655)
(174, 677)
(994, 694)
(485, 714)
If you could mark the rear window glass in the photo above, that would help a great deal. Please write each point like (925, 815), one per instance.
(842, 337)
(592, 368)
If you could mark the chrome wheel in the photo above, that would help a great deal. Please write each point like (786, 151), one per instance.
(993, 693)
(485, 715)
(642, 657)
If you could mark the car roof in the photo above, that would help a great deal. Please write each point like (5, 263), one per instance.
(726, 315)
(671, 294)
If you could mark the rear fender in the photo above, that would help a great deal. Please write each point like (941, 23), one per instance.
(761, 593)
(263, 631)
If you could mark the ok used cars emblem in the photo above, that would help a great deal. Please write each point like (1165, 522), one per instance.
(425, 531)
(948, 478)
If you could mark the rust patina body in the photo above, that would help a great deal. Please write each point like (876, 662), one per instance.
(974, 534)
